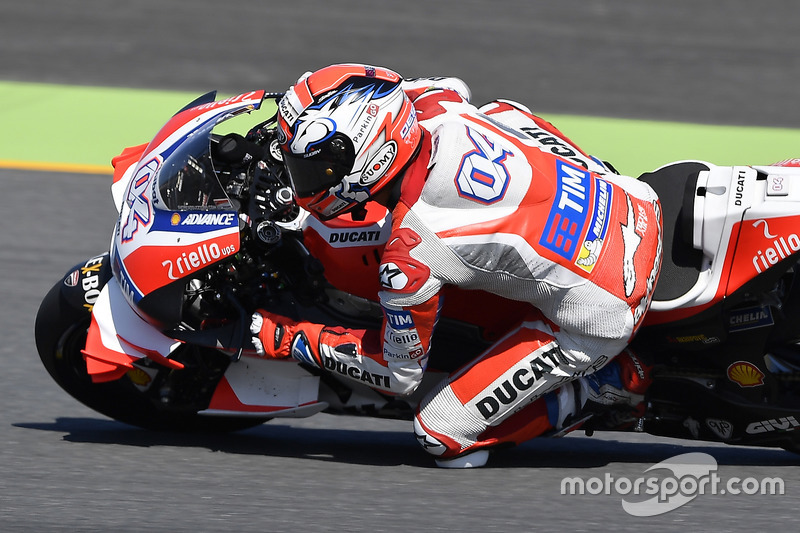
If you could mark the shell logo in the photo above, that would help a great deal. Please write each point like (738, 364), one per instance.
(175, 219)
(139, 377)
(745, 374)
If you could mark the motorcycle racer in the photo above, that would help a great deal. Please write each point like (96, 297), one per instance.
(494, 199)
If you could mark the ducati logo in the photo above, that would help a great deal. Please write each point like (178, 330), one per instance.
(392, 277)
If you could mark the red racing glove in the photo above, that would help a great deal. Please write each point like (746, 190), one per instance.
(279, 337)
(354, 354)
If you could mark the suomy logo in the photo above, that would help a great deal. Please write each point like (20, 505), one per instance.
(379, 164)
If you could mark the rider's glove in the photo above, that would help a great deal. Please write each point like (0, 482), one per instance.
(279, 337)
(353, 354)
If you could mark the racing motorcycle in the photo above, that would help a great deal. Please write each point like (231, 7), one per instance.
(154, 332)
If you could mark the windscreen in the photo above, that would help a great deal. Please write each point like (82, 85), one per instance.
(187, 178)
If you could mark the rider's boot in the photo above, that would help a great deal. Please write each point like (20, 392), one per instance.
(622, 382)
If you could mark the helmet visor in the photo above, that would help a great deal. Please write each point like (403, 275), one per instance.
(324, 167)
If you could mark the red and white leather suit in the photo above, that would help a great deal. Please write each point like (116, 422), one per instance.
(499, 200)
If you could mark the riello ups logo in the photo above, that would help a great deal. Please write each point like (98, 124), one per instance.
(779, 249)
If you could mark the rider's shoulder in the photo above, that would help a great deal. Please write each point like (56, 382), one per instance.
(441, 85)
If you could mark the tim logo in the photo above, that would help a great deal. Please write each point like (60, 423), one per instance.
(567, 219)
(140, 211)
(399, 319)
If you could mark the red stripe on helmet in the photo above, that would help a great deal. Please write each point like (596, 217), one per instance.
(303, 93)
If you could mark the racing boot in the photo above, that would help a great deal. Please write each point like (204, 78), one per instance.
(622, 383)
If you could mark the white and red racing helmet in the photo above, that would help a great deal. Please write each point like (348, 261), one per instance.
(345, 131)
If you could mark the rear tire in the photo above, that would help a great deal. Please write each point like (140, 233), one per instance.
(61, 335)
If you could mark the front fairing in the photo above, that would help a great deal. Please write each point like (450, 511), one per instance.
(175, 218)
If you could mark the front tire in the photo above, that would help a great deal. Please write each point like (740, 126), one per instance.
(60, 331)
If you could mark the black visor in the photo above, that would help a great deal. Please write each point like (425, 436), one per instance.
(326, 165)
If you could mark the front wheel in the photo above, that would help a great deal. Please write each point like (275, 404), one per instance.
(60, 331)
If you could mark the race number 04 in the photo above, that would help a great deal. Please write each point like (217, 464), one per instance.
(483, 176)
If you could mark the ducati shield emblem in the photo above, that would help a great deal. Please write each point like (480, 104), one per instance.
(72, 279)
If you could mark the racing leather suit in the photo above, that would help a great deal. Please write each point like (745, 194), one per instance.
(497, 200)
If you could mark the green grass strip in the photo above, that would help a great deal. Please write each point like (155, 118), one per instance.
(59, 127)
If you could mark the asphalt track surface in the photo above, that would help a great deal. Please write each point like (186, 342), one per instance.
(63, 467)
